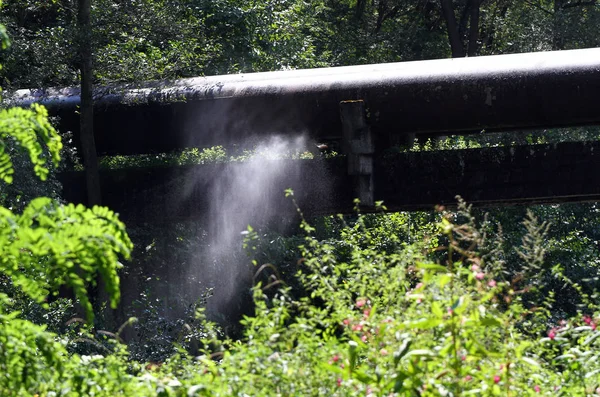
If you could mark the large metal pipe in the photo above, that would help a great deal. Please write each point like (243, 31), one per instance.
(535, 90)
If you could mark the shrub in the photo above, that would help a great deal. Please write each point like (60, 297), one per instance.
(397, 323)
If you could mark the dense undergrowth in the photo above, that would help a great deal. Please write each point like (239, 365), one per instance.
(375, 306)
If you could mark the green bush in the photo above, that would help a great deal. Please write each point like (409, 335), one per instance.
(46, 246)
(389, 305)
(396, 323)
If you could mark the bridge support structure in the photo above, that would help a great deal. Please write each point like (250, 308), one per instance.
(357, 145)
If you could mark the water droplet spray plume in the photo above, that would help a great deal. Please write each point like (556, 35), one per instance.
(249, 192)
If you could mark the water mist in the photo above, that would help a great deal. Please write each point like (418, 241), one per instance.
(250, 192)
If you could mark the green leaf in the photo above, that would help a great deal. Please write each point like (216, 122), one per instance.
(591, 338)
(420, 353)
(425, 323)
(531, 362)
(443, 280)
(460, 304)
(402, 350)
(490, 322)
(352, 354)
(363, 377)
(436, 310)
(431, 266)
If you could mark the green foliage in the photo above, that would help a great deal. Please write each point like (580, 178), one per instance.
(394, 322)
(380, 315)
(197, 156)
(28, 127)
(50, 245)
(29, 356)
(191, 156)
(20, 183)
(154, 40)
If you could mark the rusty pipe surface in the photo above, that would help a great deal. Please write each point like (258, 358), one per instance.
(533, 90)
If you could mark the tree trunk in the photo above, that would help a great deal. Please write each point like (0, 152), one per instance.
(464, 20)
(474, 28)
(456, 44)
(361, 5)
(381, 11)
(88, 144)
(557, 25)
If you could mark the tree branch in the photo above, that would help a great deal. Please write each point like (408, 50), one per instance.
(580, 3)
(456, 44)
(474, 28)
(539, 7)
(88, 144)
(464, 20)
(385, 15)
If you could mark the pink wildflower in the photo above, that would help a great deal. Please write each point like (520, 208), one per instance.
(361, 302)
(497, 379)
(492, 283)
(536, 388)
(552, 334)
(468, 378)
(383, 352)
(480, 276)
(587, 320)
(339, 382)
